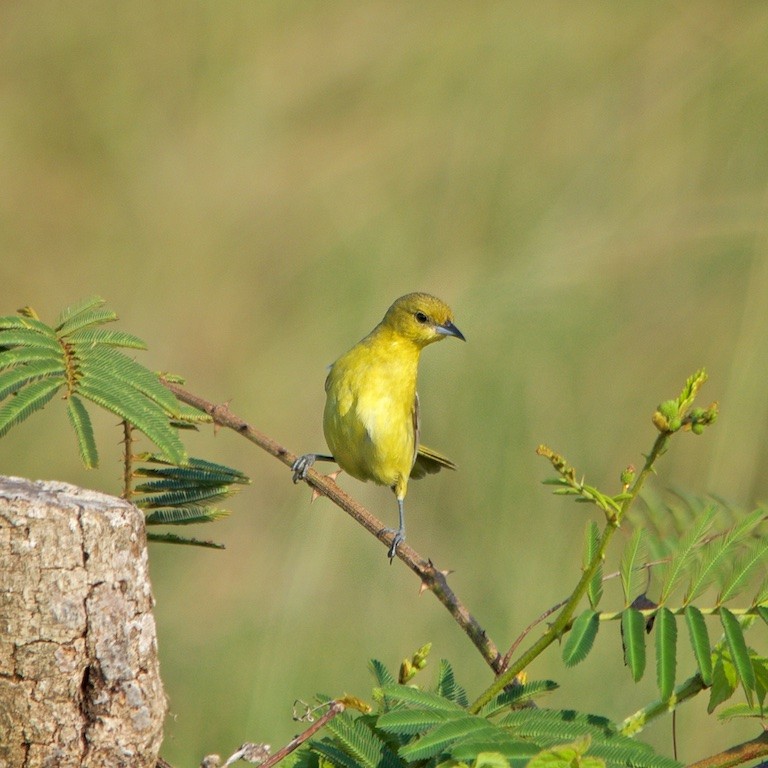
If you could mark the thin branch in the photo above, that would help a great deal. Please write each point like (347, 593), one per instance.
(519, 639)
(431, 578)
(741, 753)
(127, 459)
(335, 708)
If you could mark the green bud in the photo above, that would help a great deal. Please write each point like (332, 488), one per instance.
(628, 476)
(660, 421)
(420, 657)
(669, 408)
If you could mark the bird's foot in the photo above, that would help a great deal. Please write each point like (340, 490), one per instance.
(399, 536)
(301, 465)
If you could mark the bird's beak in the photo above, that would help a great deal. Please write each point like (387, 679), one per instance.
(449, 329)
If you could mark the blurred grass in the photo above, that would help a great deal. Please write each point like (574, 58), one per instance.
(250, 185)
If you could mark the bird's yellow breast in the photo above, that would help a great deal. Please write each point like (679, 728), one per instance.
(368, 420)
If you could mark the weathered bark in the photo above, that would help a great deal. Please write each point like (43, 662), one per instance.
(79, 676)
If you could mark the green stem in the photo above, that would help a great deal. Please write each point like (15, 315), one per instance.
(556, 629)
(637, 721)
(679, 611)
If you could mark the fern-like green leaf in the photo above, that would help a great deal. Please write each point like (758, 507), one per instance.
(760, 665)
(28, 400)
(381, 674)
(567, 756)
(357, 741)
(183, 497)
(440, 738)
(761, 596)
(417, 698)
(409, 722)
(682, 558)
(581, 637)
(515, 752)
(195, 472)
(186, 515)
(558, 724)
(633, 553)
(29, 337)
(13, 379)
(333, 755)
(666, 652)
(487, 759)
(591, 546)
(516, 695)
(129, 405)
(108, 337)
(78, 308)
(34, 363)
(189, 416)
(17, 356)
(161, 485)
(110, 365)
(762, 612)
(622, 752)
(741, 710)
(84, 320)
(447, 685)
(713, 557)
(172, 538)
(724, 678)
(81, 423)
(743, 571)
(690, 390)
(633, 638)
(718, 553)
(26, 322)
(734, 637)
(184, 424)
(552, 727)
(697, 631)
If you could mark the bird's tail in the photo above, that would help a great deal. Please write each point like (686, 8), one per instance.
(429, 462)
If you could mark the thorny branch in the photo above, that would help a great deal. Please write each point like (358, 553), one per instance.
(431, 578)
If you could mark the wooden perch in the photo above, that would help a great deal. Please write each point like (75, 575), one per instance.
(79, 675)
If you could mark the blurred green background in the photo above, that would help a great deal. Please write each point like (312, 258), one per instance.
(250, 185)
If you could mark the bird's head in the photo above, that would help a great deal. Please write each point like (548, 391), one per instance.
(421, 318)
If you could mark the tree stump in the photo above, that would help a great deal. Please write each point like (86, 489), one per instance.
(79, 675)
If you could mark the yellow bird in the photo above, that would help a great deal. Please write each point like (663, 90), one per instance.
(371, 418)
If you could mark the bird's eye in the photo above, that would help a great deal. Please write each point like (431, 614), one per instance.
(421, 317)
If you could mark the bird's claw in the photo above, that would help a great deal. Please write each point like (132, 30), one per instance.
(301, 465)
(399, 536)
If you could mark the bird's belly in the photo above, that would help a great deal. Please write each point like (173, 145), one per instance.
(372, 439)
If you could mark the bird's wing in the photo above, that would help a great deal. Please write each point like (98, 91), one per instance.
(415, 421)
(425, 460)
